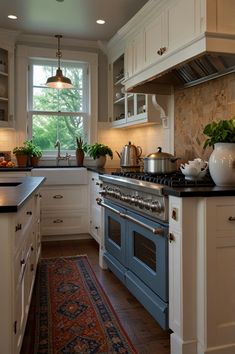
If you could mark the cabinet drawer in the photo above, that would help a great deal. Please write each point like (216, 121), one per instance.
(23, 223)
(63, 197)
(225, 217)
(68, 222)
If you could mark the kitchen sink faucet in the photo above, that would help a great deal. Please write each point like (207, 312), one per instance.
(59, 157)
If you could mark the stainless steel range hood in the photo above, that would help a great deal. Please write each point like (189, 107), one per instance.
(192, 72)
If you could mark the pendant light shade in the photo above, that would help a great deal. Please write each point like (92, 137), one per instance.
(59, 81)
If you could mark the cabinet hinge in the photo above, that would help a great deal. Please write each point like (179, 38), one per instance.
(15, 327)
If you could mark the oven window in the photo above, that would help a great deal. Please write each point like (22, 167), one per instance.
(114, 231)
(145, 250)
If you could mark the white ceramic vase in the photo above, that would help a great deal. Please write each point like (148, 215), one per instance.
(100, 162)
(222, 164)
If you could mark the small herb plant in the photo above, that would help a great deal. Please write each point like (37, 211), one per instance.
(20, 150)
(96, 150)
(81, 145)
(33, 150)
(222, 131)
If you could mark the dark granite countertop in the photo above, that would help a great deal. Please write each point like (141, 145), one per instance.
(214, 191)
(15, 169)
(14, 192)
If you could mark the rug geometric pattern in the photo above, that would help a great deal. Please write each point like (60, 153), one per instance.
(74, 314)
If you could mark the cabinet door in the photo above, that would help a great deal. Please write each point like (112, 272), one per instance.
(153, 36)
(134, 55)
(181, 23)
(6, 86)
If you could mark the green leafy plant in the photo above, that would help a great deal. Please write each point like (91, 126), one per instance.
(33, 150)
(96, 150)
(222, 131)
(81, 145)
(20, 150)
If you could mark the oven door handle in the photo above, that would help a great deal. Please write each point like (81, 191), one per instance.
(155, 231)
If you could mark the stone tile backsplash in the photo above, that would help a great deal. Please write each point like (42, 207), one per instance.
(197, 106)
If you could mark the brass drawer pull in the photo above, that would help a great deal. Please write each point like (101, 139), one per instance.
(231, 218)
(58, 196)
(18, 227)
(57, 221)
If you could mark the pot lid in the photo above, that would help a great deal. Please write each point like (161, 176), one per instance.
(159, 154)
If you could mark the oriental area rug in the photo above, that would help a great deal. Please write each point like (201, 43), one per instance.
(73, 314)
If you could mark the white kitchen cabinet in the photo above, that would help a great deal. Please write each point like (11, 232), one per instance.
(96, 212)
(6, 83)
(134, 55)
(19, 253)
(201, 275)
(64, 210)
(64, 203)
(129, 109)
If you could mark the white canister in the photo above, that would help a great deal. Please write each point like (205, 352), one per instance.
(222, 164)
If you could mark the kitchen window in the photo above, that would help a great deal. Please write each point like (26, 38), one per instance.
(58, 114)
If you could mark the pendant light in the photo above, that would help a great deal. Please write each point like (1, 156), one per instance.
(59, 81)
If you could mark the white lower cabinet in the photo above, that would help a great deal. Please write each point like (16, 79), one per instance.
(19, 253)
(96, 213)
(201, 275)
(64, 210)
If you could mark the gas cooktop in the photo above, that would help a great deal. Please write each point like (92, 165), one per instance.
(176, 179)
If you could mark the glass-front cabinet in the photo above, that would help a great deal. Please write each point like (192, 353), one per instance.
(128, 109)
(6, 86)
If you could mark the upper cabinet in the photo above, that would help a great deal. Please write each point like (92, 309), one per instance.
(127, 109)
(6, 86)
(166, 33)
(6, 80)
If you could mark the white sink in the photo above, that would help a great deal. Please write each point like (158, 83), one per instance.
(73, 175)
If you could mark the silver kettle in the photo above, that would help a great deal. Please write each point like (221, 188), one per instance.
(130, 155)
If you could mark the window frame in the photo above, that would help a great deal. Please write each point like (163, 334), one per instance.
(25, 52)
(31, 112)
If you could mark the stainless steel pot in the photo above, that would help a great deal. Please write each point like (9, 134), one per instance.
(160, 162)
(130, 155)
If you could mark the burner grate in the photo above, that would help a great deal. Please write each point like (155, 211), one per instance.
(176, 179)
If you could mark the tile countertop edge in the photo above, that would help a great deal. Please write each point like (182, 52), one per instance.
(215, 191)
(13, 198)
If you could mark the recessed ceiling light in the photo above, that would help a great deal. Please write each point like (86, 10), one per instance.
(12, 17)
(100, 22)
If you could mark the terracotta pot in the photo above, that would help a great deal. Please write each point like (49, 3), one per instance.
(79, 157)
(34, 161)
(22, 160)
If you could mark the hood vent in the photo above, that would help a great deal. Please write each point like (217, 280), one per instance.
(190, 73)
(205, 68)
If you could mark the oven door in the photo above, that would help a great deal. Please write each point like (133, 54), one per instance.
(115, 229)
(148, 254)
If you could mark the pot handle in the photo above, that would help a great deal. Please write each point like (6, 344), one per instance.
(139, 151)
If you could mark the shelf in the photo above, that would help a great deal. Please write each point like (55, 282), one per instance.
(5, 99)
(119, 82)
(120, 100)
(3, 73)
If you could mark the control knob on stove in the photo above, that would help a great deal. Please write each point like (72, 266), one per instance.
(156, 206)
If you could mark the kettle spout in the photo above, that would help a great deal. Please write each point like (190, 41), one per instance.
(118, 154)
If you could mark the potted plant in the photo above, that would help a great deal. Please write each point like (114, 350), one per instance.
(80, 151)
(34, 152)
(221, 135)
(99, 152)
(22, 156)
